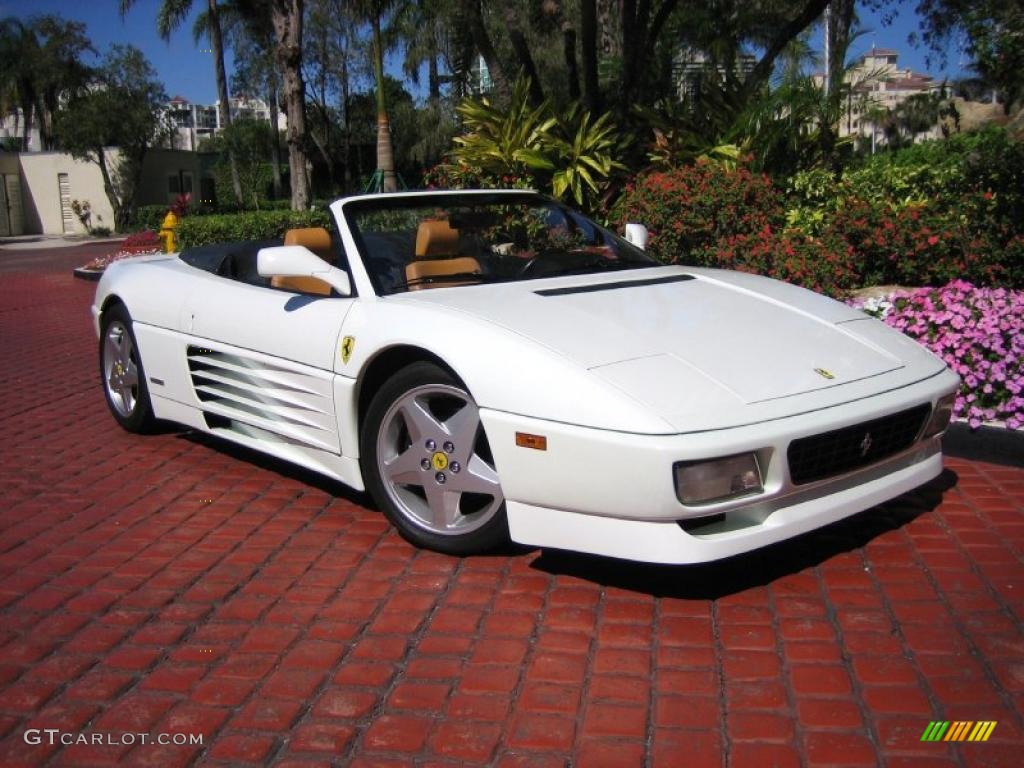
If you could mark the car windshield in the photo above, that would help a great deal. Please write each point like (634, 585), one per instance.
(416, 242)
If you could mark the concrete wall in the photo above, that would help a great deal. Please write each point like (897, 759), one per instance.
(40, 190)
(165, 174)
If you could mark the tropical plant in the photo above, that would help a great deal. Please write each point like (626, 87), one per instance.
(572, 152)
(505, 141)
(122, 109)
(41, 63)
(583, 149)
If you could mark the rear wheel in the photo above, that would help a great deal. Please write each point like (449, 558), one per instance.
(428, 464)
(124, 381)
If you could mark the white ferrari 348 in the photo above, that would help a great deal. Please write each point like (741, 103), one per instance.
(492, 365)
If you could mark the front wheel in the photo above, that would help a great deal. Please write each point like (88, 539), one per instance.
(428, 464)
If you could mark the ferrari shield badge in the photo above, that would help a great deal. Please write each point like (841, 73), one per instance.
(824, 373)
(348, 345)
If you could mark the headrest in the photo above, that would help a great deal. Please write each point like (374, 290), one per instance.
(316, 239)
(436, 238)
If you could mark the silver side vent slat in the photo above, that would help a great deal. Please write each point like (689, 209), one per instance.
(257, 371)
(267, 395)
(300, 435)
(259, 399)
(250, 405)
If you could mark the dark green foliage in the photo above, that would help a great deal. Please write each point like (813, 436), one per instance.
(934, 212)
(148, 217)
(255, 225)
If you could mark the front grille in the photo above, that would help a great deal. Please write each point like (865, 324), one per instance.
(842, 450)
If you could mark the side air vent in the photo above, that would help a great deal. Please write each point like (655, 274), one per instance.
(263, 400)
(613, 286)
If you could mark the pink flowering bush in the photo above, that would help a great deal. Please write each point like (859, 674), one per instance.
(979, 332)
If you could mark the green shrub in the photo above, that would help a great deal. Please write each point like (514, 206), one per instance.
(926, 214)
(149, 217)
(253, 225)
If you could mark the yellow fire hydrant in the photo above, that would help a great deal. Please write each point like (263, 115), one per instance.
(167, 228)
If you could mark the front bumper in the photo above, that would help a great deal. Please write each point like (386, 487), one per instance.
(612, 493)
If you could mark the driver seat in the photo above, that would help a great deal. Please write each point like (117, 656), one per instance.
(318, 240)
(437, 255)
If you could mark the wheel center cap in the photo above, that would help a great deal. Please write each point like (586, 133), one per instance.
(439, 461)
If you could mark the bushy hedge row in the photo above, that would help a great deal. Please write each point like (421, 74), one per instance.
(930, 214)
(151, 217)
(254, 225)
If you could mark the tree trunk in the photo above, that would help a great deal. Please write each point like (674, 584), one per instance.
(839, 22)
(346, 136)
(26, 127)
(433, 78)
(482, 42)
(385, 150)
(523, 55)
(759, 75)
(640, 31)
(572, 70)
(217, 46)
(610, 25)
(275, 137)
(588, 53)
(287, 18)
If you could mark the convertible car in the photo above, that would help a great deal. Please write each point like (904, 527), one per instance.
(491, 365)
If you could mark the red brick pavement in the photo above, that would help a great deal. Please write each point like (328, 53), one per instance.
(173, 584)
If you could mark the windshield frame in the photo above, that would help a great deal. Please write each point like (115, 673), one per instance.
(351, 208)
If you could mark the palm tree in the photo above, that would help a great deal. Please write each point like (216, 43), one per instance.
(286, 16)
(170, 16)
(19, 49)
(375, 12)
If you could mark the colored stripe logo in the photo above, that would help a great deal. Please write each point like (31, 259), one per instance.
(959, 730)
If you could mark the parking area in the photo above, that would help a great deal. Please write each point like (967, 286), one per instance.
(175, 584)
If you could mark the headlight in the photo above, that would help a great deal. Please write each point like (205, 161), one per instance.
(940, 417)
(703, 482)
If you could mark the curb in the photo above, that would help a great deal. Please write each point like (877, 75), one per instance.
(992, 444)
(88, 274)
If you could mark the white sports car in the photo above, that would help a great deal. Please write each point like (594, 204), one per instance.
(492, 365)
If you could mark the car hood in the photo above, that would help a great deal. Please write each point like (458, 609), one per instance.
(693, 343)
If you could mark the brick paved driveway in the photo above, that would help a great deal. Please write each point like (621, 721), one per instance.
(177, 584)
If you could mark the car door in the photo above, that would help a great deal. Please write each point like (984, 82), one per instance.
(263, 358)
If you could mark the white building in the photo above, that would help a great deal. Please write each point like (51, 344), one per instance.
(691, 67)
(195, 122)
(877, 83)
(11, 127)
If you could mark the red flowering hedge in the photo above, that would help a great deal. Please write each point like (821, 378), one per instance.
(706, 215)
(689, 210)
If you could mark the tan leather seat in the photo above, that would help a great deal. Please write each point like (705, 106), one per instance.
(318, 240)
(437, 255)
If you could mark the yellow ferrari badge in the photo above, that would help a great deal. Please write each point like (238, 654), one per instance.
(824, 373)
(348, 345)
(439, 461)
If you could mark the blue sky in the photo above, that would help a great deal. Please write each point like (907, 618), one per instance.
(186, 69)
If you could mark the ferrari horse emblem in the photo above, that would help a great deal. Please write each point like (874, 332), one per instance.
(348, 344)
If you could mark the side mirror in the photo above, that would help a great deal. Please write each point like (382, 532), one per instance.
(299, 261)
(636, 234)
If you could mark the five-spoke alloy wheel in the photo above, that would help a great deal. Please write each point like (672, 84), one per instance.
(428, 464)
(121, 371)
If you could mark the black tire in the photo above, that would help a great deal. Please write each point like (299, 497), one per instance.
(134, 413)
(478, 520)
